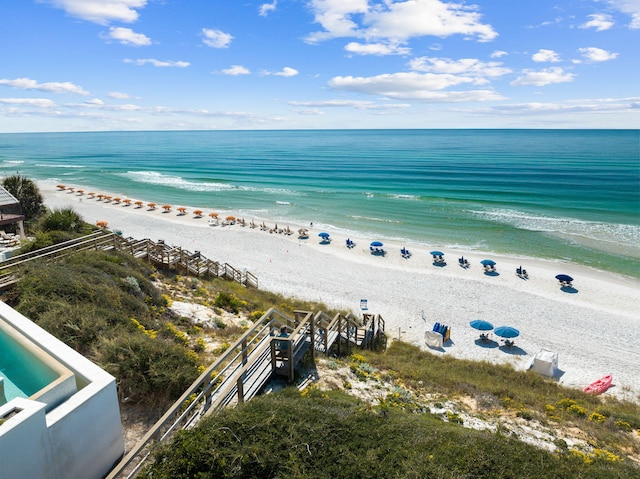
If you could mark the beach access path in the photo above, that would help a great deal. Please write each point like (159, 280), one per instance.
(595, 329)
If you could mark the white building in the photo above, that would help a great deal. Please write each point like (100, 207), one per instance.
(59, 412)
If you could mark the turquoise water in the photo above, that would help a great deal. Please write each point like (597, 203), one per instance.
(23, 373)
(558, 194)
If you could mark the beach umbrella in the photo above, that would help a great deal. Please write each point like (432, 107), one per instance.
(488, 262)
(139, 204)
(481, 325)
(152, 205)
(437, 253)
(197, 213)
(376, 244)
(166, 207)
(506, 332)
(92, 194)
(323, 235)
(230, 218)
(80, 192)
(61, 187)
(564, 277)
(127, 201)
(213, 215)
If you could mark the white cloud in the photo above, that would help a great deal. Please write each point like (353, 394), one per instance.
(543, 55)
(594, 54)
(413, 86)
(267, 8)
(126, 36)
(357, 104)
(51, 87)
(157, 63)
(286, 72)
(379, 49)
(118, 95)
(599, 22)
(236, 70)
(101, 11)
(98, 104)
(396, 20)
(544, 77)
(464, 66)
(309, 111)
(35, 102)
(499, 54)
(570, 106)
(216, 38)
(630, 7)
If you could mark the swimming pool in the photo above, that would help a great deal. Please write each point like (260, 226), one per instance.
(23, 368)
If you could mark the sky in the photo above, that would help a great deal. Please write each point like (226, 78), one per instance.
(113, 65)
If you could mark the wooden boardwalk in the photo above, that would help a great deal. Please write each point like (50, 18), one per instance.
(158, 253)
(246, 367)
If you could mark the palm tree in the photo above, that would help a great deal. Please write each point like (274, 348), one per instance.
(27, 193)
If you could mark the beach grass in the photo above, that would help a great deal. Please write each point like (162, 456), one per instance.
(500, 389)
(329, 434)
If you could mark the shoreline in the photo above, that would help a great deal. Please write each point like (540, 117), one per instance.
(595, 330)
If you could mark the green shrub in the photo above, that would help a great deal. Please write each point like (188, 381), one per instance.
(62, 220)
(152, 371)
(329, 434)
(229, 302)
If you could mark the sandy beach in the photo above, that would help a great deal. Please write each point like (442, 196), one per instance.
(595, 328)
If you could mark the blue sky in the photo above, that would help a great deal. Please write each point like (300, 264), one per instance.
(78, 65)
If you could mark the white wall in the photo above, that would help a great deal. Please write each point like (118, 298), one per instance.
(79, 439)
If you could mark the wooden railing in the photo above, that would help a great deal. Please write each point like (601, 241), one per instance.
(158, 253)
(244, 369)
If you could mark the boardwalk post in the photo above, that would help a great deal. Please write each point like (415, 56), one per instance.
(240, 385)
(244, 352)
(290, 361)
(313, 338)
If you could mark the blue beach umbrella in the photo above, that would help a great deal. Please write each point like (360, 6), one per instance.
(437, 253)
(376, 244)
(488, 262)
(507, 332)
(323, 235)
(564, 277)
(481, 325)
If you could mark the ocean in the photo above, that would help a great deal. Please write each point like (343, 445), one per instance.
(566, 195)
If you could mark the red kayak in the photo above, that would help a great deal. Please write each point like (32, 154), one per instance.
(599, 386)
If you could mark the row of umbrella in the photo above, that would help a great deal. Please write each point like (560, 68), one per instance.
(508, 332)
(485, 262)
(375, 244)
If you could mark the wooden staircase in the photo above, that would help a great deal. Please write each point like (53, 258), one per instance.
(158, 253)
(248, 365)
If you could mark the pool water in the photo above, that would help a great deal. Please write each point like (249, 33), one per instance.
(24, 373)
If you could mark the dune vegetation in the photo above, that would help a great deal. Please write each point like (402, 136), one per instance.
(115, 310)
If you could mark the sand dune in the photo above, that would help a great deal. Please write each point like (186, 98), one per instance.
(595, 328)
